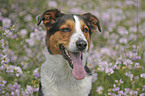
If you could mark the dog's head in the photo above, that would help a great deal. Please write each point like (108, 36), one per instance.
(69, 35)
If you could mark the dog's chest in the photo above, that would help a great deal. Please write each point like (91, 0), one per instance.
(57, 80)
(68, 88)
(74, 88)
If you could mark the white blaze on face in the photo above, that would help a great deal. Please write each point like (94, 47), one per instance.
(78, 34)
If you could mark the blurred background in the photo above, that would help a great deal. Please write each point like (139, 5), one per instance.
(117, 54)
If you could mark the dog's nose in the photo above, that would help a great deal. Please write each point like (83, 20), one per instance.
(81, 45)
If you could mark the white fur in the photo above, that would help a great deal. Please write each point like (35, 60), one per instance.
(78, 34)
(57, 78)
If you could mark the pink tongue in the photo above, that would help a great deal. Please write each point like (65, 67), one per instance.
(78, 68)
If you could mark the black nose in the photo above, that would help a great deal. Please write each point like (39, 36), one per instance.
(81, 44)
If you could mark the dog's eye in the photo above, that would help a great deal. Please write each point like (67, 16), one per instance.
(85, 30)
(66, 29)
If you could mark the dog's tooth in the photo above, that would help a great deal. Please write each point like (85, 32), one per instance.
(66, 52)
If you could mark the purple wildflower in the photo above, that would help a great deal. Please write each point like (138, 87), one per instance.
(109, 71)
(2, 83)
(123, 40)
(142, 94)
(138, 57)
(136, 65)
(122, 31)
(127, 90)
(24, 93)
(36, 89)
(16, 86)
(19, 71)
(136, 77)
(6, 22)
(10, 69)
(75, 10)
(120, 93)
(127, 62)
(143, 88)
(35, 73)
(52, 4)
(116, 81)
(121, 81)
(23, 33)
(129, 75)
(142, 75)
(29, 89)
(99, 89)
(133, 29)
(28, 18)
(116, 89)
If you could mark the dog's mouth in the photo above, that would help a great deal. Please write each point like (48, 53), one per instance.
(75, 62)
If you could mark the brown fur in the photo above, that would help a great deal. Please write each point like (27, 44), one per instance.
(60, 38)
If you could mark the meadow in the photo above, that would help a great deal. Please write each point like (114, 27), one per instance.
(117, 54)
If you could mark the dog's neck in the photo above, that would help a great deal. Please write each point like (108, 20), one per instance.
(57, 61)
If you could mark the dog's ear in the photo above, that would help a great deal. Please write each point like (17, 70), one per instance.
(49, 17)
(92, 21)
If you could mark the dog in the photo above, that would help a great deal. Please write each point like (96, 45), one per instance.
(68, 37)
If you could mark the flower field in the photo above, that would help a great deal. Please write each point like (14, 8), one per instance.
(117, 54)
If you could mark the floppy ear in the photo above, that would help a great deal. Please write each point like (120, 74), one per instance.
(49, 17)
(92, 21)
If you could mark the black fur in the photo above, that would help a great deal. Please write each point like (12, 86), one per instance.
(88, 70)
(40, 93)
(90, 94)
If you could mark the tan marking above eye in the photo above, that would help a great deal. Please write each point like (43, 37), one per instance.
(68, 26)
(83, 25)
(63, 26)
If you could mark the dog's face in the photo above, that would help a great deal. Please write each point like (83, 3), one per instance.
(69, 35)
